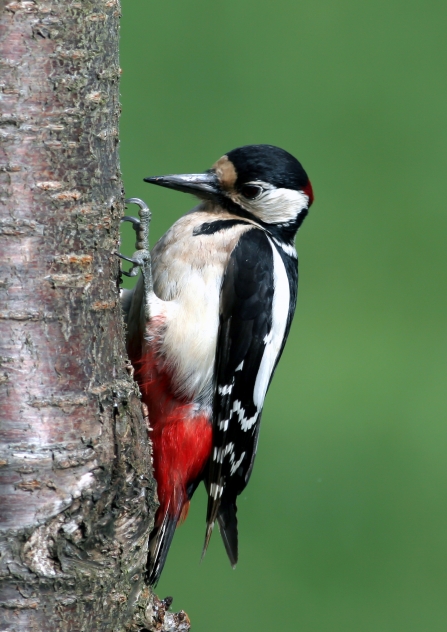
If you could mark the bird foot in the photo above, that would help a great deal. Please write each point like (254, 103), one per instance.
(141, 258)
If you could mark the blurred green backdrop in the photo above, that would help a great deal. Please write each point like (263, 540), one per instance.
(344, 524)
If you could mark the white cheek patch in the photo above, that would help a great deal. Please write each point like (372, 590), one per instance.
(277, 206)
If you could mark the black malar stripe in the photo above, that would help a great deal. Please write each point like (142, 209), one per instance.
(209, 228)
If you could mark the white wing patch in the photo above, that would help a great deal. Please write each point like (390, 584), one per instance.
(273, 341)
(289, 249)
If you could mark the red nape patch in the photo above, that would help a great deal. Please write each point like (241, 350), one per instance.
(309, 192)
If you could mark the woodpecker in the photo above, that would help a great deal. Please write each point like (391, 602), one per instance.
(206, 325)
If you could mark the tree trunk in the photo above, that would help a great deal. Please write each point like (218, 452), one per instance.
(77, 492)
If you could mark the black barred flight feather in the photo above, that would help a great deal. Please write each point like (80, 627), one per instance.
(258, 299)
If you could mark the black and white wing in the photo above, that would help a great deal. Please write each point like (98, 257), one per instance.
(257, 303)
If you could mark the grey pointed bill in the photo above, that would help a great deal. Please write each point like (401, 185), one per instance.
(204, 185)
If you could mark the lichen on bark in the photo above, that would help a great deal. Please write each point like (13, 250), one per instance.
(77, 496)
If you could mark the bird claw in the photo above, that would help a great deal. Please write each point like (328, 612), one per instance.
(135, 221)
(141, 258)
(141, 225)
(137, 261)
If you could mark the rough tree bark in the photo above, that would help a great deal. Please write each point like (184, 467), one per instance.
(77, 493)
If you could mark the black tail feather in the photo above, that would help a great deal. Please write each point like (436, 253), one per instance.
(227, 520)
(159, 543)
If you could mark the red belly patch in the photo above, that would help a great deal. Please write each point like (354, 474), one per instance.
(181, 437)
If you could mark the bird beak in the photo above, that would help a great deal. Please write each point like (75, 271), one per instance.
(204, 185)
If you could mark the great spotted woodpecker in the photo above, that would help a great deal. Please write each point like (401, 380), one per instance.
(206, 325)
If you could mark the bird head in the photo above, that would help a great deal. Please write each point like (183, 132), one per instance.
(260, 182)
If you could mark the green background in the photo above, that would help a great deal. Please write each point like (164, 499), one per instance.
(343, 526)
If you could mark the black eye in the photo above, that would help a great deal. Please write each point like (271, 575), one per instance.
(251, 191)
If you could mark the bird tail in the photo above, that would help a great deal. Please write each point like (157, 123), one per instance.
(225, 514)
(160, 541)
(227, 520)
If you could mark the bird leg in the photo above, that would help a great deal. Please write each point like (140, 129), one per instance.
(141, 258)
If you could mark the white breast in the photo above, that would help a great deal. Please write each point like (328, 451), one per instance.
(188, 272)
(189, 335)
